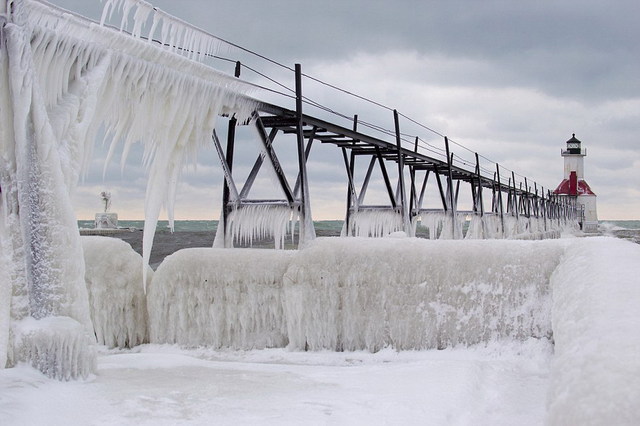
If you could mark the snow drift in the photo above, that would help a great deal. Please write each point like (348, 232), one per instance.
(223, 298)
(595, 378)
(116, 295)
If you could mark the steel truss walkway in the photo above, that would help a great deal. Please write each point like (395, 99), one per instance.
(271, 120)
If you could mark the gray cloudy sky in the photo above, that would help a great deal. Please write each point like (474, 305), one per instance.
(511, 80)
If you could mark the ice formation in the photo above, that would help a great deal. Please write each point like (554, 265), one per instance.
(116, 295)
(63, 77)
(223, 298)
(353, 294)
(374, 223)
(57, 346)
(255, 222)
(595, 377)
(490, 226)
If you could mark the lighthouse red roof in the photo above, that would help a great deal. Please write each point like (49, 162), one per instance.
(582, 188)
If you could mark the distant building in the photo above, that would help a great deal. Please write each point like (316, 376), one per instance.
(574, 185)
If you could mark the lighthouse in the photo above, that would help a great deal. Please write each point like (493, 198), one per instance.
(574, 185)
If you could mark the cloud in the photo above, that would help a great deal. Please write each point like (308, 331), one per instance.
(509, 80)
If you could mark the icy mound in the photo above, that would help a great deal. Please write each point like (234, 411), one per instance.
(595, 375)
(354, 294)
(57, 346)
(229, 298)
(116, 295)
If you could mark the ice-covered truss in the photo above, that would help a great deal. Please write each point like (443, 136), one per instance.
(243, 218)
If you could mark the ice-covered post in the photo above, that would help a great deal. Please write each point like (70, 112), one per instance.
(231, 137)
(450, 197)
(500, 198)
(403, 197)
(51, 324)
(307, 232)
(477, 203)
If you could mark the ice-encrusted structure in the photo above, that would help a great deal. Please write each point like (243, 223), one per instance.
(595, 376)
(223, 298)
(62, 78)
(352, 294)
(488, 226)
(355, 294)
(117, 299)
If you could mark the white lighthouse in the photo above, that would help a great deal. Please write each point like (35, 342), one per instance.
(574, 185)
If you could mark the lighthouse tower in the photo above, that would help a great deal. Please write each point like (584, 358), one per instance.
(574, 185)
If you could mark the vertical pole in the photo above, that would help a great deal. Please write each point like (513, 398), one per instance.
(450, 187)
(307, 233)
(500, 198)
(515, 197)
(413, 199)
(231, 136)
(351, 192)
(479, 203)
(403, 195)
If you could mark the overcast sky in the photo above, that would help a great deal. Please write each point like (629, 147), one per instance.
(510, 80)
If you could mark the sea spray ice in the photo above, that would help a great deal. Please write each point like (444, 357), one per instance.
(354, 294)
(116, 292)
(55, 68)
(222, 298)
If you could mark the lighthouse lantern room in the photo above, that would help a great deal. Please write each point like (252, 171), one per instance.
(574, 185)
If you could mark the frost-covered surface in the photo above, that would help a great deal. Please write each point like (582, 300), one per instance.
(116, 294)
(362, 294)
(595, 376)
(162, 385)
(230, 298)
(591, 377)
(59, 347)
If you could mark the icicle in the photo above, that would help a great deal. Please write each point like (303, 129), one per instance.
(175, 35)
(375, 223)
(256, 222)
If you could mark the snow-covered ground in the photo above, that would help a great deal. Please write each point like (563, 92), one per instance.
(590, 374)
(163, 385)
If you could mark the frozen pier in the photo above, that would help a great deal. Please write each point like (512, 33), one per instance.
(501, 207)
(66, 81)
